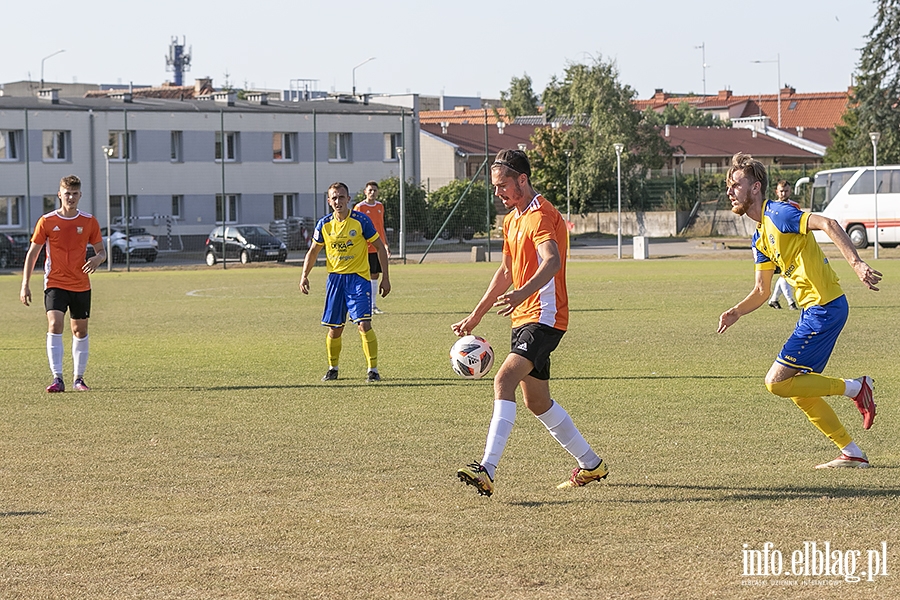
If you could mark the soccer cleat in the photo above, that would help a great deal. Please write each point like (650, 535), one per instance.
(775, 304)
(330, 375)
(372, 376)
(377, 311)
(80, 385)
(865, 401)
(793, 306)
(582, 477)
(846, 462)
(476, 475)
(56, 386)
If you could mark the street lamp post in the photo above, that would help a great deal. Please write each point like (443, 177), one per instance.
(354, 72)
(568, 189)
(875, 136)
(107, 153)
(778, 61)
(42, 64)
(702, 48)
(619, 148)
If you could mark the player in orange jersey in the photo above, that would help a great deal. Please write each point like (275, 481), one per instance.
(374, 209)
(65, 233)
(535, 245)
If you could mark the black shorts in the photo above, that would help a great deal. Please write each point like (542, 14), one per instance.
(374, 263)
(535, 342)
(77, 303)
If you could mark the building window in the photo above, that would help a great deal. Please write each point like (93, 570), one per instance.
(10, 140)
(391, 142)
(284, 206)
(9, 211)
(51, 203)
(283, 147)
(339, 147)
(120, 142)
(177, 206)
(228, 210)
(56, 146)
(176, 154)
(117, 209)
(229, 148)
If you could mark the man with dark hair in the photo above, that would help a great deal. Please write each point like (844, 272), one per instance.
(65, 233)
(344, 234)
(374, 209)
(784, 238)
(535, 245)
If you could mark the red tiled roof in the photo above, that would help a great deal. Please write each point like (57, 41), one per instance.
(726, 141)
(469, 137)
(822, 110)
(464, 116)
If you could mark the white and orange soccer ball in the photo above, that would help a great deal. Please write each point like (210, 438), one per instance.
(471, 357)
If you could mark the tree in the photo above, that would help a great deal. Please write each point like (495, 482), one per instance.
(683, 114)
(520, 99)
(414, 199)
(601, 114)
(473, 215)
(875, 99)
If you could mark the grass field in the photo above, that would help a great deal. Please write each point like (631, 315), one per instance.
(209, 461)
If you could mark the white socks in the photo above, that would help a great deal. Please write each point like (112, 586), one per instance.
(55, 353)
(562, 428)
(852, 450)
(374, 283)
(853, 388)
(80, 348)
(501, 425)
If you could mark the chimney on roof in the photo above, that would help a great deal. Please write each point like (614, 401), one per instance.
(790, 91)
(50, 95)
(667, 130)
(258, 98)
(501, 126)
(659, 94)
(724, 95)
(753, 133)
(799, 131)
(202, 84)
(444, 126)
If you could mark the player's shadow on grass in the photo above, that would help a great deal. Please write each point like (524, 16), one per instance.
(340, 383)
(713, 493)
(23, 513)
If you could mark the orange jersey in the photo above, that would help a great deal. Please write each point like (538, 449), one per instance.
(65, 241)
(522, 234)
(375, 212)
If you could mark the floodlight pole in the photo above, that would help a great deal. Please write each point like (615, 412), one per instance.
(42, 64)
(353, 72)
(619, 148)
(107, 153)
(568, 189)
(875, 136)
(778, 61)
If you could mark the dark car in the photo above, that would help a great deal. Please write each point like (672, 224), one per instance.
(246, 243)
(13, 248)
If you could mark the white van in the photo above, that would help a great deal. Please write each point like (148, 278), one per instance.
(848, 196)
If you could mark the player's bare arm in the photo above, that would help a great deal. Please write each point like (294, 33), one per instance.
(385, 285)
(550, 265)
(96, 260)
(756, 298)
(309, 262)
(27, 270)
(869, 276)
(500, 282)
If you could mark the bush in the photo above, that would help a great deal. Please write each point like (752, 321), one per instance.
(473, 215)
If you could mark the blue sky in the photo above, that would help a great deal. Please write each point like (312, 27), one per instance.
(461, 48)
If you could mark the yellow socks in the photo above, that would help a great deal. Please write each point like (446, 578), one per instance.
(370, 347)
(824, 418)
(333, 348)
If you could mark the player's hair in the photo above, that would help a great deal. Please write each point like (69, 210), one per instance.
(70, 182)
(751, 168)
(783, 183)
(337, 185)
(515, 161)
(374, 184)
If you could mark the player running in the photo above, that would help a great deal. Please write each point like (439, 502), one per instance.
(535, 245)
(784, 238)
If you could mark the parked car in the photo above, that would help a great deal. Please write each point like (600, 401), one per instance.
(246, 243)
(13, 248)
(138, 244)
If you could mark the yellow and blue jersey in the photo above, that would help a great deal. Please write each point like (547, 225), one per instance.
(346, 242)
(783, 239)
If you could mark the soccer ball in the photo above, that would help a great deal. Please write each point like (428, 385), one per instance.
(471, 357)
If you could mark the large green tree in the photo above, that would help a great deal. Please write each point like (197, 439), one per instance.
(597, 112)
(520, 98)
(875, 99)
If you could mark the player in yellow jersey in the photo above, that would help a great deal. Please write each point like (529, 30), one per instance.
(784, 238)
(345, 235)
(65, 233)
(535, 245)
